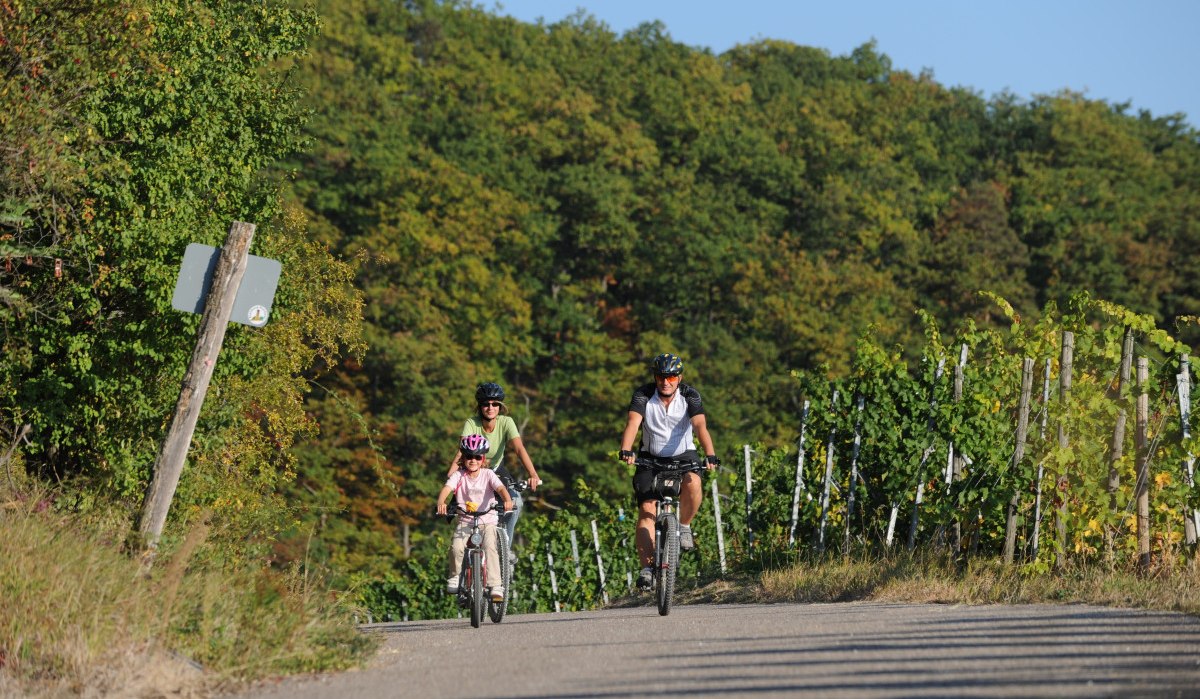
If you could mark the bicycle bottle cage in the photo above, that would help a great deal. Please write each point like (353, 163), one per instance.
(666, 485)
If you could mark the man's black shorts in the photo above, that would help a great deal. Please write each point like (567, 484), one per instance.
(643, 477)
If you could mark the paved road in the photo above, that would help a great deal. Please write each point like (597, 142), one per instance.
(826, 650)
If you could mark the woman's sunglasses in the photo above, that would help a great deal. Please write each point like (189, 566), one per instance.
(490, 404)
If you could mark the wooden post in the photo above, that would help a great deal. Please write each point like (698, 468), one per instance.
(1063, 482)
(799, 476)
(825, 489)
(1117, 447)
(1010, 526)
(917, 498)
(1041, 468)
(853, 475)
(749, 500)
(599, 562)
(553, 579)
(575, 555)
(956, 461)
(1183, 381)
(182, 425)
(1142, 489)
(716, 501)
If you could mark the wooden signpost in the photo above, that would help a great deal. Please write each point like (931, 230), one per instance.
(226, 281)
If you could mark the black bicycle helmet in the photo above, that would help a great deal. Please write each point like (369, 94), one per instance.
(488, 391)
(667, 365)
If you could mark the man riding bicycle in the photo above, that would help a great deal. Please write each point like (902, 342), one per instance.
(669, 413)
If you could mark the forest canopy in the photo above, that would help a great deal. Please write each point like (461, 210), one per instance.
(547, 206)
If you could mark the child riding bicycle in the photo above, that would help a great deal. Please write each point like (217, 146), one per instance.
(475, 488)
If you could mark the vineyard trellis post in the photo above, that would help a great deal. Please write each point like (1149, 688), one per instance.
(1183, 380)
(749, 499)
(853, 473)
(1117, 449)
(1010, 524)
(1041, 467)
(1063, 482)
(533, 587)
(825, 487)
(916, 515)
(1142, 489)
(956, 460)
(716, 501)
(799, 476)
(553, 579)
(575, 555)
(599, 562)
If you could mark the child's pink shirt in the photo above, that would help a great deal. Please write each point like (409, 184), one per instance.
(480, 490)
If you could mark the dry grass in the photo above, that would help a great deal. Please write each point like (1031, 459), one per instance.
(934, 579)
(74, 617)
(79, 618)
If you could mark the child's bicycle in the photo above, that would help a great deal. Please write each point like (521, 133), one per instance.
(668, 479)
(471, 591)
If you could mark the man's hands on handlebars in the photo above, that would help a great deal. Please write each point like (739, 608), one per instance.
(630, 457)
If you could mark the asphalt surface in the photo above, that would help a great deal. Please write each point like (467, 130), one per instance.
(827, 650)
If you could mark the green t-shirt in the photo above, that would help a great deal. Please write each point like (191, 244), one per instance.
(498, 439)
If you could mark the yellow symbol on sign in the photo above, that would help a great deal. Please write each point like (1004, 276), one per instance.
(257, 315)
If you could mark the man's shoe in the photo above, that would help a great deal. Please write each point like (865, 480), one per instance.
(686, 542)
(645, 579)
(452, 586)
(497, 594)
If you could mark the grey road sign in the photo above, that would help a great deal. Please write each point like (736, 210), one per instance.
(254, 297)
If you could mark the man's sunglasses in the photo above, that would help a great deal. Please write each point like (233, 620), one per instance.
(668, 379)
(490, 404)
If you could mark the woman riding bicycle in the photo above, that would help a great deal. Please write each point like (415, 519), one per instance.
(475, 488)
(669, 412)
(500, 430)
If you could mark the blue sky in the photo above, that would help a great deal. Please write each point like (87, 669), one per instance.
(1146, 52)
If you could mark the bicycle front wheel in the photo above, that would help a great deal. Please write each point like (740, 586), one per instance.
(496, 610)
(477, 601)
(668, 563)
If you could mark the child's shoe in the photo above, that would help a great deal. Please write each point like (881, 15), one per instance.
(497, 594)
(452, 586)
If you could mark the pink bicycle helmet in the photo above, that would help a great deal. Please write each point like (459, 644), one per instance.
(474, 445)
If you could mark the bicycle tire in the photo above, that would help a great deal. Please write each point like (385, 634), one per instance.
(669, 563)
(477, 603)
(496, 610)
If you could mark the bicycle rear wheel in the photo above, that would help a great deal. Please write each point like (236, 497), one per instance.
(496, 610)
(477, 601)
(668, 555)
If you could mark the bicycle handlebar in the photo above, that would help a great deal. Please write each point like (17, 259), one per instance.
(679, 465)
(458, 510)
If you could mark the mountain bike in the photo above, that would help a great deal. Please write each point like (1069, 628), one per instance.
(668, 480)
(471, 591)
(496, 610)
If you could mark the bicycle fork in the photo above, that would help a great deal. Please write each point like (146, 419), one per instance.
(666, 509)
